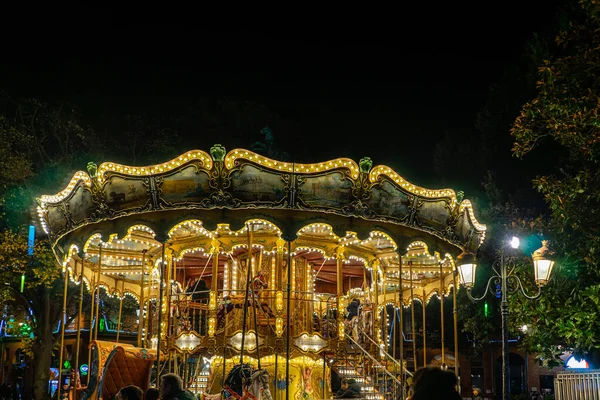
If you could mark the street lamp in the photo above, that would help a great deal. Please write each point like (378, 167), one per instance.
(509, 284)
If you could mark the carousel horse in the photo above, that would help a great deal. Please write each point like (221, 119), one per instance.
(366, 324)
(245, 383)
(238, 379)
(260, 385)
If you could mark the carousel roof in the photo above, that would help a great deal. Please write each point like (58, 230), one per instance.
(199, 198)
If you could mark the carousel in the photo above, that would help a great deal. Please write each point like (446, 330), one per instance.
(257, 277)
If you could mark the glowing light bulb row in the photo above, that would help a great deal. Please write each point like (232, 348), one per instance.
(78, 177)
(390, 173)
(121, 272)
(156, 169)
(466, 205)
(232, 156)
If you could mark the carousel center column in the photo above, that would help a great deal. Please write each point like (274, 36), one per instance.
(212, 305)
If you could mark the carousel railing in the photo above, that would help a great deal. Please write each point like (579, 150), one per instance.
(384, 354)
(378, 367)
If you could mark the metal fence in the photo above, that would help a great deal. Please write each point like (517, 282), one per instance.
(577, 384)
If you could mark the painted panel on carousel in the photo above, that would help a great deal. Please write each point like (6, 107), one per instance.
(186, 186)
(81, 205)
(253, 185)
(332, 190)
(463, 227)
(432, 214)
(55, 217)
(122, 193)
(388, 200)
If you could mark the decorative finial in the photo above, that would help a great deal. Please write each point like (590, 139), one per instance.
(92, 169)
(218, 152)
(460, 196)
(365, 165)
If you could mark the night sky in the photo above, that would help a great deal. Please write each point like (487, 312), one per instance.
(385, 83)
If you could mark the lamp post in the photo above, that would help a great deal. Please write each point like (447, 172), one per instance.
(509, 283)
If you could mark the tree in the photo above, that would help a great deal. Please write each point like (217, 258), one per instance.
(39, 142)
(564, 115)
(41, 298)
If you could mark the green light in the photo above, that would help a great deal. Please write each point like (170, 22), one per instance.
(22, 282)
(486, 310)
(67, 364)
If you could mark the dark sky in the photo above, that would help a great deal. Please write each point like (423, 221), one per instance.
(386, 83)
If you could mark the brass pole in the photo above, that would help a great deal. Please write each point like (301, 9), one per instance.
(259, 262)
(287, 334)
(142, 301)
(455, 312)
(401, 322)
(160, 304)
(385, 313)
(442, 314)
(394, 325)
(340, 294)
(62, 330)
(96, 323)
(412, 316)
(246, 293)
(120, 308)
(93, 301)
(376, 327)
(169, 269)
(79, 315)
(424, 330)
(214, 287)
(279, 264)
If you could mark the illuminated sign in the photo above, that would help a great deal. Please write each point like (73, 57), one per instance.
(84, 369)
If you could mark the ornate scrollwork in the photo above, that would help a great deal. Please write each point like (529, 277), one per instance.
(413, 210)
(358, 209)
(219, 177)
(102, 211)
(154, 191)
(66, 212)
(512, 284)
(361, 191)
(221, 199)
(453, 217)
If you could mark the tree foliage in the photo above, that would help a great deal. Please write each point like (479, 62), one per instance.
(40, 142)
(564, 114)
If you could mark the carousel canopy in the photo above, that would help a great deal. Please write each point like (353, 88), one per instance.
(200, 201)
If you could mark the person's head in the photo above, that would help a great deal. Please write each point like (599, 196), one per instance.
(130, 392)
(170, 384)
(152, 394)
(344, 384)
(351, 381)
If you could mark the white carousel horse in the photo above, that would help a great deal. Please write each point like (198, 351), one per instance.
(260, 385)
